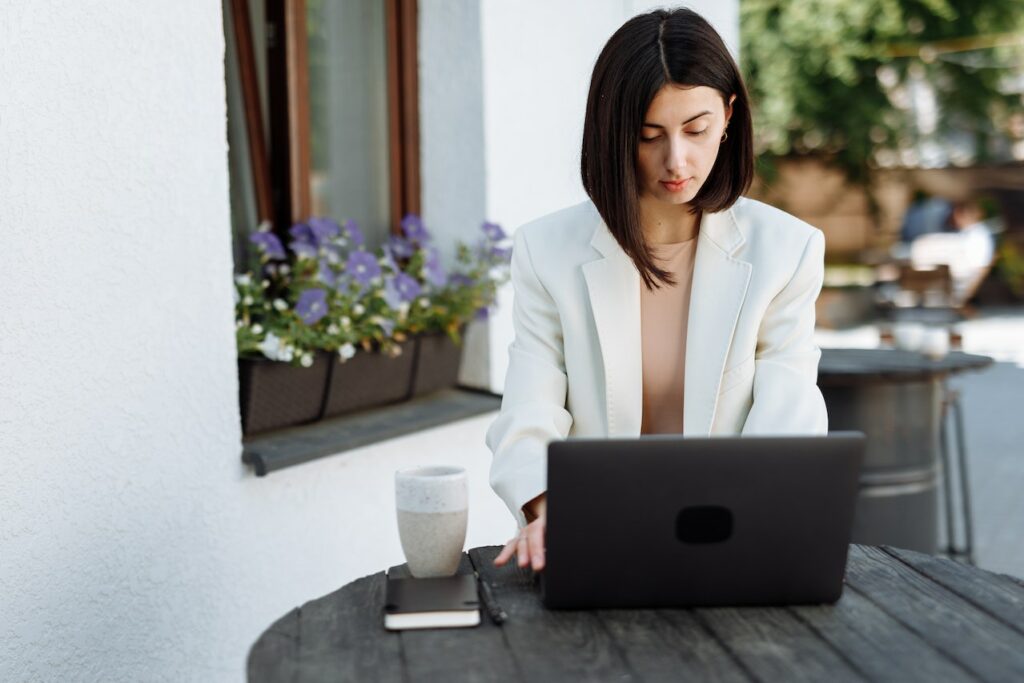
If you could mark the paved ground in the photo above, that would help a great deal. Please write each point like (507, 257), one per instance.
(994, 423)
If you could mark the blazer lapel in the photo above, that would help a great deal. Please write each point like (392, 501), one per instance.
(719, 287)
(613, 285)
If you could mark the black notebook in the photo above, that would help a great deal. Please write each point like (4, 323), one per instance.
(445, 602)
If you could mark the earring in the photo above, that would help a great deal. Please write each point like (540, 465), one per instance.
(725, 136)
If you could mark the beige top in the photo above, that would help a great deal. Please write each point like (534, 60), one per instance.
(663, 318)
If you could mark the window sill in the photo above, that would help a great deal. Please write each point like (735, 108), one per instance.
(296, 445)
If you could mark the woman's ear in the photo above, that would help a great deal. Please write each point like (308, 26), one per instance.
(728, 108)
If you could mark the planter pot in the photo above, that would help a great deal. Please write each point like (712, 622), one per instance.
(437, 362)
(273, 395)
(369, 379)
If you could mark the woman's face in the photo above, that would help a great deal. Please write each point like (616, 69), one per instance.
(679, 141)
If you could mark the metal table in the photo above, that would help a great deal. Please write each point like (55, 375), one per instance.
(900, 400)
(903, 616)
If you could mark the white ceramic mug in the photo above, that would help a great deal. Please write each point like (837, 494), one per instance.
(935, 343)
(908, 335)
(433, 512)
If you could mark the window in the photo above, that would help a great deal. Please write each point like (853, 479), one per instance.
(322, 114)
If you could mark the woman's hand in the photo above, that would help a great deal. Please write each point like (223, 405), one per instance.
(528, 545)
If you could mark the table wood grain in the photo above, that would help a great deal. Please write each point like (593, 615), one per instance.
(904, 616)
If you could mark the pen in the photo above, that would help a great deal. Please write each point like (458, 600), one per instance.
(497, 614)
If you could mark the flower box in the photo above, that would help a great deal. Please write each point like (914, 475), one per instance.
(273, 395)
(437, 362)
(369, 379)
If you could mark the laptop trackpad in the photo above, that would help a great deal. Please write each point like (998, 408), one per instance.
(704, 524)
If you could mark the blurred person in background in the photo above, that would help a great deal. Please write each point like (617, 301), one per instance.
(968, 249)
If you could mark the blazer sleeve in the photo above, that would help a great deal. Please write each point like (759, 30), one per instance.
(533, 403)
(786, 396)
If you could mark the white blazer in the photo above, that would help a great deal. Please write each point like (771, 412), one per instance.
(575, 360)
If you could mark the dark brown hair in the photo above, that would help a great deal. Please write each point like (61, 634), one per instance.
(648, 52)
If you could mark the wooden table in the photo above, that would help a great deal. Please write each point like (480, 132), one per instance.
(903, 616)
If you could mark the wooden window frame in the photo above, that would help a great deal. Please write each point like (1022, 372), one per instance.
(282, 177)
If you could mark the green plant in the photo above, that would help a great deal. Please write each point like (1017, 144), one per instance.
(835, 77)
(1010, 265)
(326, 292)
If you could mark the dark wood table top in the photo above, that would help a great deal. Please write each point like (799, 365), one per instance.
(903, 616)
(892, 365)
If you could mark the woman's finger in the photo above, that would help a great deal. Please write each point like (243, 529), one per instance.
(523, 548)
(536, 543)
(507, 551)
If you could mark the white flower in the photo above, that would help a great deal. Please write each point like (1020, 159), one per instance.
(247, 300)
(306, 360)
(271, 347)
(346, 351)
(284, 269)
(424, 301)
(345, 321)
(383, 260)
(281, 304)
(243, 280)
(333, 329)
(376, 279)
(265, 284)
(359, 309)
(288, 353)
(403, 308)
(257, 329)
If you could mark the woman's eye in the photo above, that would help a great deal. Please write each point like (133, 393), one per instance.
(691, 132)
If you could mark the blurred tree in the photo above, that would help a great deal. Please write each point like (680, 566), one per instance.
(844, 78)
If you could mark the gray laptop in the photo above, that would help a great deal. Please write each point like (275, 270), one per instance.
(667, 521)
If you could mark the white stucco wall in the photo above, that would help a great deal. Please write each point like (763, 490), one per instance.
(134, 545)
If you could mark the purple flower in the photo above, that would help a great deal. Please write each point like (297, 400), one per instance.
(435, 274)
(412, 226)
(301, 232)
(502, 253)
(323, 229)
(303, 248)
(390, 261)
(387, 325)
(312, 306)
(399, 289)
(494, 232)
(327, 274)
(399, 247)
(481, 313)
(268, 243)
(407, 287)
(355, 235)
(362, 266)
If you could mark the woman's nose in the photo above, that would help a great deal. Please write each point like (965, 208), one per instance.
(676, 157)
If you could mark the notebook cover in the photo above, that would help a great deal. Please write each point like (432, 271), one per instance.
(447, 593)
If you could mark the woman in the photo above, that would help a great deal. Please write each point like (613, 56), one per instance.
(665, 274)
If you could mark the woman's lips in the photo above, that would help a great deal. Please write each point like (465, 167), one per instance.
(677, 185)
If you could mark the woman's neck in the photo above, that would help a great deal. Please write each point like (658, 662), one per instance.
(668, 223)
